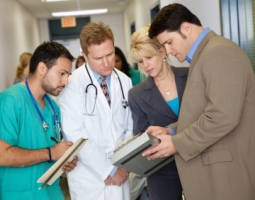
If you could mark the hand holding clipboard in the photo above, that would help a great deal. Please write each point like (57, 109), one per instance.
(56, 170)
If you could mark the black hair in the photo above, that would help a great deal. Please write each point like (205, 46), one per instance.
(77, 59)
(125, 65)
(48, 53)
(170, 18)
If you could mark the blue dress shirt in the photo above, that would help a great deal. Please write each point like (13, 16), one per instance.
(195, 45)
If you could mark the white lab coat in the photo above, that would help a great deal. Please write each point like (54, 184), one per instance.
(104, 130)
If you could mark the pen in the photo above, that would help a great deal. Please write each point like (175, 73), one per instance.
(54, 139)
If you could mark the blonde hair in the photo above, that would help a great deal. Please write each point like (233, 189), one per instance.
(24, 60)
(94, 33)
(143, 46)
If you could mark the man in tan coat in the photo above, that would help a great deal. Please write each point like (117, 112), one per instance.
(214, 145)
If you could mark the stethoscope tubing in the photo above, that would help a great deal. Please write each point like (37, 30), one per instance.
(124, 102)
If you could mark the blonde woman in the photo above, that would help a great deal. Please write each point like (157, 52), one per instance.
(156, 101)
(23, 67)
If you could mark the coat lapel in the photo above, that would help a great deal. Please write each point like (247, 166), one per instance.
(115, 88)
(180, 79)
(199, 49)
(100, 95)
(153, 98)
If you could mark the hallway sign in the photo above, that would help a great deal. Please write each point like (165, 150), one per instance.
(67, 22)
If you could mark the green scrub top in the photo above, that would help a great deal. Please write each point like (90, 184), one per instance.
(21, 126)
(135, 76)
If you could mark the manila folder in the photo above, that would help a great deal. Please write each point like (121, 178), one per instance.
(56, 170)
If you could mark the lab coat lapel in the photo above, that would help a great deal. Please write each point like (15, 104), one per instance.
(115, 87)
(102, 101)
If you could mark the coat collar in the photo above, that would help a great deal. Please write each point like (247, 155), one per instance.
(200, 48)
(149, 82)
(91, 72)
(114, 86)
(152, 96)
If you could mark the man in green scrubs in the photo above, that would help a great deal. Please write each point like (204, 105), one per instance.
(29, 119)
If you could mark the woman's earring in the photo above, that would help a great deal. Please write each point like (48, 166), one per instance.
(164, 59)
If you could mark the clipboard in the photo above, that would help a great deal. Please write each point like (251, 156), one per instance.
(129, 155)
(55, 171)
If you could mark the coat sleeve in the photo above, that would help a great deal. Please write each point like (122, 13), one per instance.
(9, 121)
(140, 120)
(174, 126)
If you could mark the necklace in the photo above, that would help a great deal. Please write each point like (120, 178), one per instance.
(168, 90)
(161, 86)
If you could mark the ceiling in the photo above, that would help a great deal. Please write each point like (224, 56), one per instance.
(43, 10)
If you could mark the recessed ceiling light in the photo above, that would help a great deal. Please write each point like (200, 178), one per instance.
(79, 12)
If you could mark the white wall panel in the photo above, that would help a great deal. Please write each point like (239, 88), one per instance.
(19, 32)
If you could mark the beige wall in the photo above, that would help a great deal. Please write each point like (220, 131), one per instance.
(19, 32)
(208, 13)
(115, 21)
(138, 11)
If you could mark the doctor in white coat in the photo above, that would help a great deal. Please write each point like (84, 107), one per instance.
(86, 113)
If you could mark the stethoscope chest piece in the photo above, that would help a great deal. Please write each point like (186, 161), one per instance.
(124, 103)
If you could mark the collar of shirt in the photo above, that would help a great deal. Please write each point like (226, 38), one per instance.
(107, 79)
(97, 77)
(195, 45)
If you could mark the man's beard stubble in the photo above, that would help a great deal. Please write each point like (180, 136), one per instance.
(48, 88)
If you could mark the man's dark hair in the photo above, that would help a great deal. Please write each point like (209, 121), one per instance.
(48, 52)
(170, 18)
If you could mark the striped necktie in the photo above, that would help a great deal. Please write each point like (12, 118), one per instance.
(105, 89)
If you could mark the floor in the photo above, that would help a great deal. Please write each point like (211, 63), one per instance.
(64, 187)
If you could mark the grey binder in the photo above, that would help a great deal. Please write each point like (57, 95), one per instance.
(129, 155)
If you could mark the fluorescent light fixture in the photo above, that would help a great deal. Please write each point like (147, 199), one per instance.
(54, 0)
(79, 12)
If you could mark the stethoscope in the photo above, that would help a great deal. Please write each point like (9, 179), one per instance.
(124, 102)
(57, 124)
